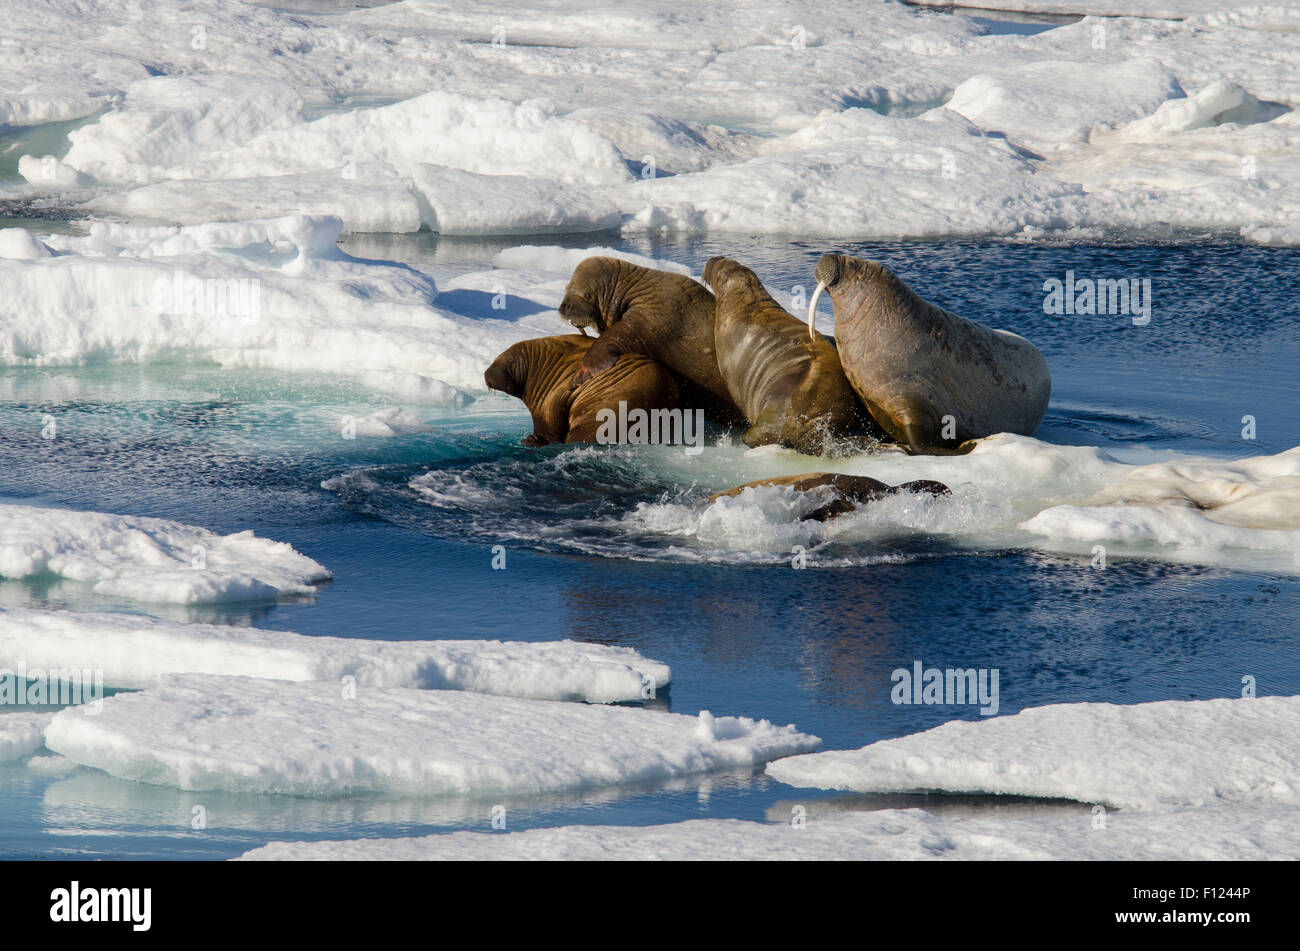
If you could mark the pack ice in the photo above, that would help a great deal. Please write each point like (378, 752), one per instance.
(134, 651)
(1140, 756)
(1241, 833)
(242, 734)
(501, 118)
(150, 559)
(22, 733)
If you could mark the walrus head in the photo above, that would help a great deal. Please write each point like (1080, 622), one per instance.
(715, 269)
(592, 298)
(581, 312)
(828, 272)
(501, 375)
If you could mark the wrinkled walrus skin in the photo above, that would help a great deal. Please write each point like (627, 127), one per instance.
(847, 491)
(914, 363)
(667, 317)
(539, 372)
(791, 388)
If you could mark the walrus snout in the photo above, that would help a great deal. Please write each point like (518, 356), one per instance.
(579, 312)
(715, 270)
(498, 377)
(829, 269)
(827, 272)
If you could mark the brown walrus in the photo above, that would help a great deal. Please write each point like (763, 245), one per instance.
(539, 371)
(930, 379)
(847, 491)
(791, 388)
(667, 317)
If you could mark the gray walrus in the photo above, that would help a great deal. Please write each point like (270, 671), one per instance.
(930, 379)
(791, 389)
(539, 371)
(667, 317)
(847, 491)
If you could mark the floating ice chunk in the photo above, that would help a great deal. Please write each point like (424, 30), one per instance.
(17, 244)
(1143, 525)
(466, 203)
(1050, 105)
(46, 106)
(150, 559)
(1241, 833)
(265, 736)
(387, 423)
(134, 651)
(173, 120)
(365, 197)
(1221, 101)
(942, 175)
(1255, 492)
(1140, 756)
(659, 144)
(490, 136)
(22, 733)
(46, 171)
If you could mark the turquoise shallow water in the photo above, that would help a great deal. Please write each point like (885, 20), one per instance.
(237, 450)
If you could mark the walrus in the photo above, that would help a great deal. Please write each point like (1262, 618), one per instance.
(667, 317)
(538, 372)
(930, 379)
(791, 389)
(847, 491)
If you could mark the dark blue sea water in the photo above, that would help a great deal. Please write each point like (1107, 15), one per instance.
(240, 450)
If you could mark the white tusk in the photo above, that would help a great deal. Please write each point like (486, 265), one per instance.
(812, 308)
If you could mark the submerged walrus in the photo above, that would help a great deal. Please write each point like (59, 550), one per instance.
(667, 317)
(539, 372)
(930, 379)
(847, 491)
(791, 389)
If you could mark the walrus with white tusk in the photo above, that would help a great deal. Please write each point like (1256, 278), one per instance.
(930, 379)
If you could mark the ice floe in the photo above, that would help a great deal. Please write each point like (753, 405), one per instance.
(150, 559)
(131, 651)
(1141, 756)
(1241, 833)
(243, 734)
(21, 734)
(663, 119)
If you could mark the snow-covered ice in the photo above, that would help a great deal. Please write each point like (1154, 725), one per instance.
(21, 734)
(1246, 833)
(252, 735)
(150, 559)
(1140, 756)
(134, 651)
(776, 122)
